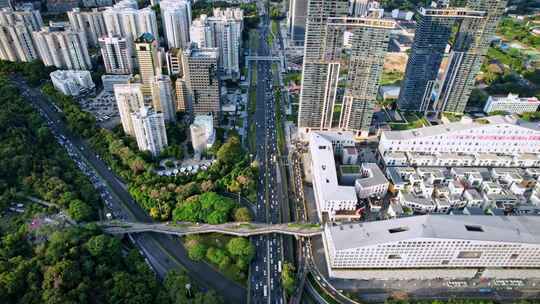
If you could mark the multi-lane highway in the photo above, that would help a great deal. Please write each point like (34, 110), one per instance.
(162, 251)
(265, 271)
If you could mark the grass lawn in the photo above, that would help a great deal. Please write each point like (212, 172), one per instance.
(350, 169)
(391, 77)
(294, 113)
(413, 122)
(253, 40)
(275, 72)
(296, 77)
(275, 27)
(239, 122)
(452, 117)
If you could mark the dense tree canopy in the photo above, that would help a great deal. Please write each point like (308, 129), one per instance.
(208, 207)
(32, 163)
(51, 264)
(68, 269)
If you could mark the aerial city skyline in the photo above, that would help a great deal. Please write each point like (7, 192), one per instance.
(270, 152)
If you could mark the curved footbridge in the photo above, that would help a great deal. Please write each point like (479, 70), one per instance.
(237, 229)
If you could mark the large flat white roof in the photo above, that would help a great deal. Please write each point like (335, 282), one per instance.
(511, 229)
(457, 126)
(324, 170)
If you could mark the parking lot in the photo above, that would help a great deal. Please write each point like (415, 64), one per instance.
(103, 106)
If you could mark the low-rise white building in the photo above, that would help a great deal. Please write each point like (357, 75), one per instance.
(330, 197)
(418, 203)
(511, 104)
(202, 133)
(349, 156)
(372, 183)
(435, 241)
(72, 83)
(495, 140)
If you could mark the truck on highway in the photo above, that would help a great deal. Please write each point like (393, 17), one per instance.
(265, 291)
(279, 266)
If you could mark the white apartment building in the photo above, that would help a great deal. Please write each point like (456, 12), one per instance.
(453, 144)
(163, 97)
(125, 20)
(372, 183)
(16, 43)
(71, 82)
(91, 23)
(202, 133)
(117, 54)
(200, 31)
(31, 18)
(129, 98)
(511, 104)
(435, 241)
(330, 197)
(149, 128)
(176, 18)
(64, 49)
(223, 31)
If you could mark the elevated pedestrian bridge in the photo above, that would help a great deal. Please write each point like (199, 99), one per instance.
(236, 228)
(264, 58)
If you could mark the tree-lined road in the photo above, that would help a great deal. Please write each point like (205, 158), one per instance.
(164, 252)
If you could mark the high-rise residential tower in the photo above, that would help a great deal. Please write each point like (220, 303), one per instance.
(91, 23)
(129, 98)
(200, 85)
(30, 17)
(326, 25)
(176, 18)
(163, 98)
(226, 27)
(64, 49)
(430, 40)
(470, 47)
(130, 23)
(222, 31)
(146, 49)
(200, 31)
(321, 66)
(16, 43)
(149, 128)
(296, 21)
(117, 54)
(474, 24)
(369, 46)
